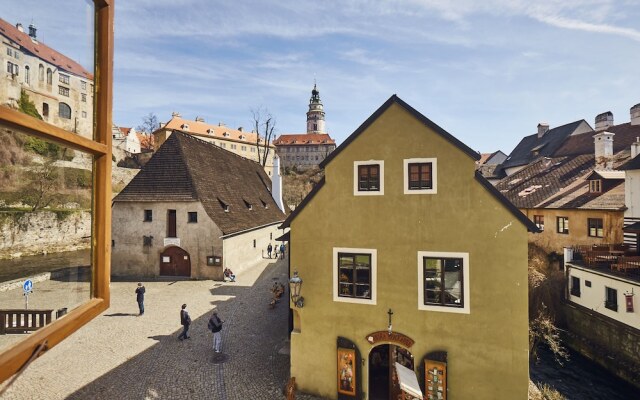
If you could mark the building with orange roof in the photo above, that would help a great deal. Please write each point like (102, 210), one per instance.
(125, 142)
(237, 141)
(61, 88)
(307, 150)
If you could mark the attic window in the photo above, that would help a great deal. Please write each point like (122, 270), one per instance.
(185, 127)
(226, 134)
(264, 203)
(242, 137)
(595, 186)
(247, 204)
(224, 205)
(210, 131)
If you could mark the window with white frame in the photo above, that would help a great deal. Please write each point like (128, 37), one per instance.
(368, 178)
(443, 282)
(63, 78)
(354, 275)
(420, 176)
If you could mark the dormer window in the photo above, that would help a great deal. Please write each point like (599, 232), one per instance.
(224, 205)
(595, 186)
(210, 131)
(226, 134)
(247, 204)
(185, 127)
(242, 137)
(264, 203)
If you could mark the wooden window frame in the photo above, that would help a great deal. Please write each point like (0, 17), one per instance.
(373, 254)
(408, 162)
(539, 221)
(13, 358)
(565, 226)
(598, 227)
(595, 186)
(192, 217)
(611, 305)
(356, 178)
(465, 289)
(148, 215)
(575, 286)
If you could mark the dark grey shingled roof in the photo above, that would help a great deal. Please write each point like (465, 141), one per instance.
(545, 146)
(189, 169)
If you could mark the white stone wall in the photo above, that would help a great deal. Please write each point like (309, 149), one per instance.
(41, 232)
(240, 252)
(129, 257)
(594, 297)
(303, 156)
(632, 193)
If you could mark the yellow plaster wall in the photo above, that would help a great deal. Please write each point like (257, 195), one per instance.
(488, 348)
(551, 240)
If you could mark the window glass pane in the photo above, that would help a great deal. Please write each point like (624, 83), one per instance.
(45, 207)
(433, 280)
(453, 281)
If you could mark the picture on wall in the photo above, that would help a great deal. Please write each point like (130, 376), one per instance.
(347, 371)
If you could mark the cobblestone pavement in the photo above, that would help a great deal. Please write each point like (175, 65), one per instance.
(119, 355)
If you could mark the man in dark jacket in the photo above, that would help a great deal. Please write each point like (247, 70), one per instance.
(185, 320)
(215, 325)
(140, 297)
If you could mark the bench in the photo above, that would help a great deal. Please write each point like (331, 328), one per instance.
(626, 263)
(592, 258)
(22, 321)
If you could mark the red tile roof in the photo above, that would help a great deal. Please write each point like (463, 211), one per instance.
(125, 131)
(42, 51)
(201, 128)
(303, 139)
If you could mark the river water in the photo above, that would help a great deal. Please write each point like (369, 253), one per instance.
(25, 267)
(580, 379)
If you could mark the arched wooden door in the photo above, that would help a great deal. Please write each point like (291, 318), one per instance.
(175, 261)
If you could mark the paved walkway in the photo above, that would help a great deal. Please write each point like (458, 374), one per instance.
(121, 356)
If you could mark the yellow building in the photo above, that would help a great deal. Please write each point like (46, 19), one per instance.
(408, 256)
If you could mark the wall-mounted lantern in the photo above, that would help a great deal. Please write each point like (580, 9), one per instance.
(295, 286)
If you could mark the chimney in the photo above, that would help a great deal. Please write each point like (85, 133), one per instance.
(240, 128)
(604, 150)
(19, 27)
(175, 114)
(221, 124)
(604, 121)
(276, 183)
(199, 119)
(635, 148)
(543, 128)
(32, 31)
(635, 114)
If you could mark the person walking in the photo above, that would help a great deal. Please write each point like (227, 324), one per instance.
(215, 325)
(140, 297)
(185, 320)
(269, 250)
(229, 274)
(282, 249)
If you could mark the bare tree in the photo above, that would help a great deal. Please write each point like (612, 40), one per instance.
(41, 189)
(150, 123)
(264, 125)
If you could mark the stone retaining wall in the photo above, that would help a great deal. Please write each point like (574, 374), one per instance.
(609, 343)
(40, 232)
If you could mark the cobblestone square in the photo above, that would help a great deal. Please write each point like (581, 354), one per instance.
(119, 355)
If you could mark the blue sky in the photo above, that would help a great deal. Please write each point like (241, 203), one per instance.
(486, 71)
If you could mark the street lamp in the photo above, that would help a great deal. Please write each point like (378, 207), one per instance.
(295, 285)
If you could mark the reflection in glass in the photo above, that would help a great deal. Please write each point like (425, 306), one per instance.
(62, 88)
(45, 221)
(443, 281)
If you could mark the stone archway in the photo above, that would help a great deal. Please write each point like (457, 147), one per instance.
(175, 261)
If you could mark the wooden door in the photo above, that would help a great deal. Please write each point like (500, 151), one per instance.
(175, 261)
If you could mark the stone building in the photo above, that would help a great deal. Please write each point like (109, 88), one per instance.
(414, 270)
(61, 88)
(237, 141)
(125, 142)
(303, 151)
(193, 210)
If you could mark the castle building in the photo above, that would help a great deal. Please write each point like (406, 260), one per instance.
(61, 88)
(303, 151)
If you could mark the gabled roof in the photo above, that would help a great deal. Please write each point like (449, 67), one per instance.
(545, 146)
(606, 174)
(394, 99)
(562, 182)
(633, 163)
(42, 51)
(189, 169)
(531, 227)
(303, 139)
(624, 135)
(125, 131)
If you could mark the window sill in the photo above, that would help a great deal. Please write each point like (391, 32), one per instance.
(438, 308)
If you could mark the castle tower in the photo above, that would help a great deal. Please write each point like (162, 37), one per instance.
(315, 115)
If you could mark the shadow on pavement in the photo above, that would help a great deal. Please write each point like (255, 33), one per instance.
(250, 367)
